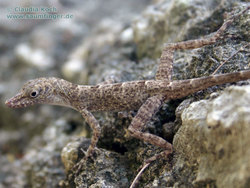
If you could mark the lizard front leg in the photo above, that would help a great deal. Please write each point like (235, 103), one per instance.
(96, 131)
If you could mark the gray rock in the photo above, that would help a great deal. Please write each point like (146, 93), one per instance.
(213, 140)
(105, 169)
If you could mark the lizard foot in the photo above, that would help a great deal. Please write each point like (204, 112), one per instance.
(79, 165)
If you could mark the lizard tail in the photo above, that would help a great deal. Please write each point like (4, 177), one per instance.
(183, 88)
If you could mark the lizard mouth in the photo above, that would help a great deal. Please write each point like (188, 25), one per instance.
(18, 101)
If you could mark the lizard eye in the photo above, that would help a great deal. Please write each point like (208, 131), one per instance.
(34, 93)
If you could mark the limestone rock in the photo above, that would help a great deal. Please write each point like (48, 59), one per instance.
(213, 139)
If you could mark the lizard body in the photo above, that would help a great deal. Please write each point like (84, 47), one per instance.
(112, 97)
(146, 96)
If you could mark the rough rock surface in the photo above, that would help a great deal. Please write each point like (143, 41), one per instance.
(209, 136)
(214, 138)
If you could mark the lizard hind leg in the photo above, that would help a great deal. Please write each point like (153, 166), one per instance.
(145, 113)
(198, 43)
(164, 71)
(165, 68)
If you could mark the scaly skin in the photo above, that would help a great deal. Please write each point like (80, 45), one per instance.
(112, 97)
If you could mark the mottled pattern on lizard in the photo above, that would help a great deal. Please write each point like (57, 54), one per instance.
(147, 96)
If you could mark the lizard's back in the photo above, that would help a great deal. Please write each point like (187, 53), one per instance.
(114, 97)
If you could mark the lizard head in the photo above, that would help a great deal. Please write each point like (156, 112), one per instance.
(37, 91)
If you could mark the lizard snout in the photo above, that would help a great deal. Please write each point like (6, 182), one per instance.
(10, 103)
(18, 101)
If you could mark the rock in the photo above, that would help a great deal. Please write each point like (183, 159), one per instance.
(105, 169)
(40, 164)
(205, 155)
(213, 139)
(70, 154)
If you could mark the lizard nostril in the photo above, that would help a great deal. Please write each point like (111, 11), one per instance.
(7, 102)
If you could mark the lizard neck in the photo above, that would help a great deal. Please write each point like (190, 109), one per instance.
(63, 93)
